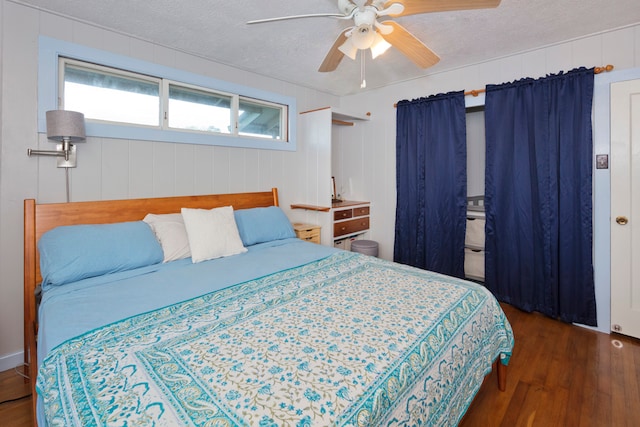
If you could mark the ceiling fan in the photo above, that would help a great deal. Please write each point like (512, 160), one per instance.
(368, 33)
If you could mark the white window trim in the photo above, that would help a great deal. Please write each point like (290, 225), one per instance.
(50, 50)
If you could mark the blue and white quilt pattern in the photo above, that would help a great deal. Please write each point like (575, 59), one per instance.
(348, 340)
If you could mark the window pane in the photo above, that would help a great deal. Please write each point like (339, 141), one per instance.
(261, 120)
(199, 110)
(106, 96)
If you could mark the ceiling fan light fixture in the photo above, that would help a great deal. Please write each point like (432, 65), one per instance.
(363, 36)
(379, 46)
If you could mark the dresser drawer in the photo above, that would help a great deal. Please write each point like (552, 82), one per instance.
(309, 235)
(308, 232)
(350, 226)
(342, 214)
(361, 211)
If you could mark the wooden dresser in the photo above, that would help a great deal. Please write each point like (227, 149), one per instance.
(349, 218)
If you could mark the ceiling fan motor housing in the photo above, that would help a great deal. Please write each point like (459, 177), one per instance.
(347, 6)
(364, 18)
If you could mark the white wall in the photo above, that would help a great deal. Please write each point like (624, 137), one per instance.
(110, 168)
(377, 178)
(476, 147)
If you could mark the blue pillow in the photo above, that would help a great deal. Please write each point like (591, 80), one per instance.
(258, 225)
(75, 252)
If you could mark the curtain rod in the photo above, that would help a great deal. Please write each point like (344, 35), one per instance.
(476, 92)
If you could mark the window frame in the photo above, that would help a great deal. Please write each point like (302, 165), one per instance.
(49, 98)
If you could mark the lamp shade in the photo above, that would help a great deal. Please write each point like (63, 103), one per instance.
(65, 125)
(379, 46)
(349, 49)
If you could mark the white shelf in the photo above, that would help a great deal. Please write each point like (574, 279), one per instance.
(349, 117)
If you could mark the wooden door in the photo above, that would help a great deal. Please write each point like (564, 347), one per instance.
(625, 207)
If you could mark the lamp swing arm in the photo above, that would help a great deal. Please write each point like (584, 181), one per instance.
(67, 147)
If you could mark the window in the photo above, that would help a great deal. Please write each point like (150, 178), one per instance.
(192, 109)
(259, 119)
(103, 94)
(110, 95)
(123, 97)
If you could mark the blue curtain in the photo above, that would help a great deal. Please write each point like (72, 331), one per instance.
(538, 250)
(431, 180)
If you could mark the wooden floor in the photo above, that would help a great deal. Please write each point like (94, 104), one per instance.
(17, 413)
(559, 375)
(562, 375)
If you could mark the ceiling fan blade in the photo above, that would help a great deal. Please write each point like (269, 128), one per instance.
(414, 7)
(334, 56)
(394, 9)
(410, 46)
(309, 15)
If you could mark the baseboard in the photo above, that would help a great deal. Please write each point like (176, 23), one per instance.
(10, 361)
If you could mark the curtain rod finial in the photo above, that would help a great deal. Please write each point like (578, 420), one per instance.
(606, 68)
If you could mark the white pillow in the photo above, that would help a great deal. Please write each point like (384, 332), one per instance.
(170, 232)
(212, 233)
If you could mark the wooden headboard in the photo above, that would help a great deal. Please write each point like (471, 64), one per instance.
(40, 218)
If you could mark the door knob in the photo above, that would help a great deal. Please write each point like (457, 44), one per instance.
(622, 220)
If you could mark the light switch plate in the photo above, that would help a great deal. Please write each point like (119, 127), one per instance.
(602, 161)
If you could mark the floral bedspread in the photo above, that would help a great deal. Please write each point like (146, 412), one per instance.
(349, 340)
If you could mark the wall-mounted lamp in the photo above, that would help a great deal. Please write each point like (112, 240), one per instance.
(66, 127)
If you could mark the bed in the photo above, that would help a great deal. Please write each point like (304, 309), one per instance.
(271, 331)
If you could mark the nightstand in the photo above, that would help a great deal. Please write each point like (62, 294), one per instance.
(308, 232)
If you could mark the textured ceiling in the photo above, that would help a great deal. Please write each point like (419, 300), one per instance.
(293, 50)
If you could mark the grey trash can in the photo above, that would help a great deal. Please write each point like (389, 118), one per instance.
(366, 247)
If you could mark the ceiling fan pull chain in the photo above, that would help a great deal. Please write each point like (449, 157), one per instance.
(362, 70)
